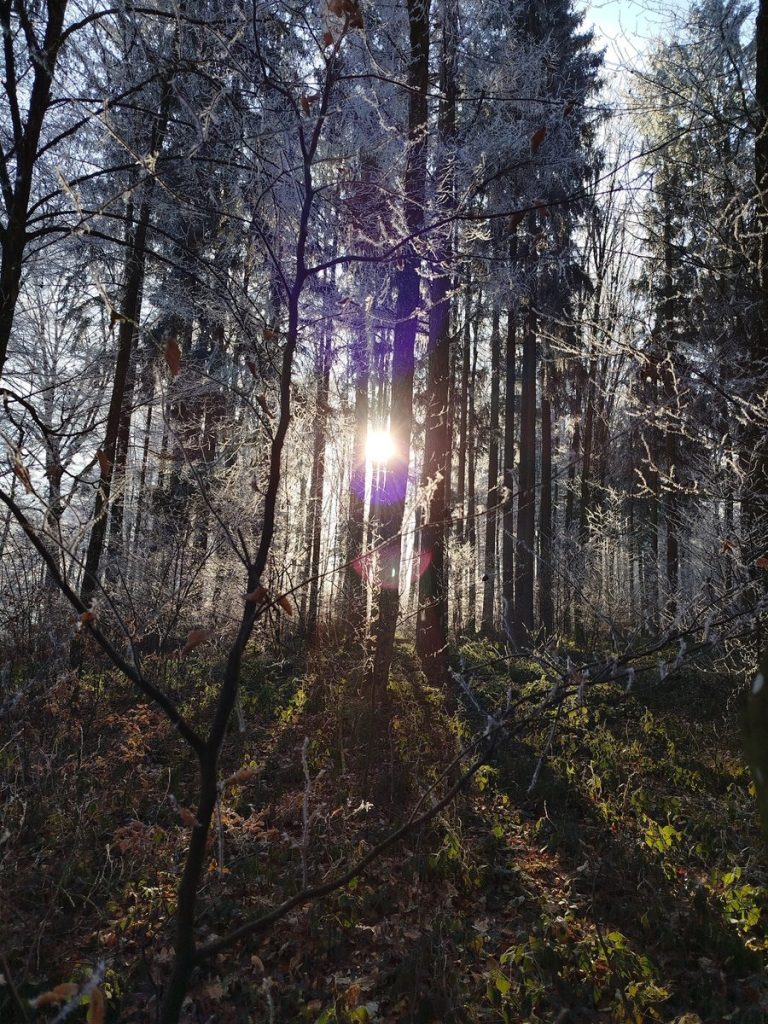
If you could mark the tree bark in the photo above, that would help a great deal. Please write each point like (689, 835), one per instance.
(391, 499)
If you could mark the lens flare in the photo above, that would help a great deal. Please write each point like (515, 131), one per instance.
(380, 447)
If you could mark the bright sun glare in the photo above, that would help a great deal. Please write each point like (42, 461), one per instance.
(380, 447)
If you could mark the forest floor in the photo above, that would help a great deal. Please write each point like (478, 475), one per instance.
(631, 884)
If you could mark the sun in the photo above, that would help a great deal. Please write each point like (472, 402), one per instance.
(380, 447)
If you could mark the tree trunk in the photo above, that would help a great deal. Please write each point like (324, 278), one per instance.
(508, 516)
(491, 561)
(391, 499)
(526, 501)
(546, 607)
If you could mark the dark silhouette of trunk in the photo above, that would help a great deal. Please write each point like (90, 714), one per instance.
(546, 605)
(125, 342)
(489, 574)
(671, 423)
(27, 127)
(317, 485)
(391, 499)
(508, 515)
(461, 480)
(355, 592)
(128, 325)
(471, 468)
(526, 501)
(757, 505)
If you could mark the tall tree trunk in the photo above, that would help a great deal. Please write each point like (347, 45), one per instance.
(391, 500)
(355, 591)
(318, 477)
(508, 516)
(129, 320)
(491, 562)
(471, 482)
(25, 146)
(546, 606)
(526, 501)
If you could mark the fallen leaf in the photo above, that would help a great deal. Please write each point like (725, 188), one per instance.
(173, 356)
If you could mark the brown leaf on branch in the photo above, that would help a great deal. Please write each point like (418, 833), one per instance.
(328, 39)
(87, 616)
(59, 994)
(308, 100)
(188, 818)
(173, 356)
(96, 1007)
(537, 138)
(762, 562)
(105, 463)
(257, 596)
(262, 400)
(22, 473)
(516, 219)
(284, 603)
(727, 545)
(195, 637)
(240, 777)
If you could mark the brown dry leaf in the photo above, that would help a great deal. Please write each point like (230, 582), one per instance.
(195, 637)
(250, 363)
(762, 562)
(257, 596)
(96, 1007)
(537, 138)
(22, 473)
(188, 817)
(308, 100)
(262, 400)
(516, 219)
(727, 546)
(257, 964)
(284, 603)
(328, 39)
(59, 994)
(173, 356)
(270, 334)
(336, 7)
(105, 463)
(241, 776)
(87, 616)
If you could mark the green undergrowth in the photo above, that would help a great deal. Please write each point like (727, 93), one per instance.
(628, 884)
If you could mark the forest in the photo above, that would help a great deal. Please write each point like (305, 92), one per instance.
(384, 511)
